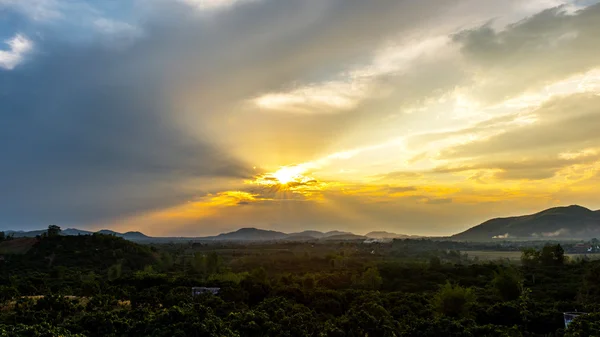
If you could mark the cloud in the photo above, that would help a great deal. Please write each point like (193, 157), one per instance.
(436, 201)
(213, 4)
(39, 10)
(355, 85)
(564, 123)
(546, 47)
(533, 168)
(19, 46)
(87, 136)
(118, 30)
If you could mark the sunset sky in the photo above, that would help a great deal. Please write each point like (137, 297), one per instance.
(195, 117)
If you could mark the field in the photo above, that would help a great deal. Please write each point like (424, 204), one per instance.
(515, 256)
(17, 246)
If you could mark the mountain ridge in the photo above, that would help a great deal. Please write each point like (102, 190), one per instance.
(564, 222)
(573, 222)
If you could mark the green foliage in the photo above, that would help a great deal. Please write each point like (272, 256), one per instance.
(508, 283)
(119, 288)
(453, 300)
(530, 257)
(8, 293)
(552, 255)
(114, 271)
(370, 279)
(37, 330)
(590, 290)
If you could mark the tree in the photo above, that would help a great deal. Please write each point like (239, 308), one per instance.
(435, 262)
(213, 263)
(552, 255)
(371, 279)
(589, 293)
(166, 261)
(114, 272)
(199, 263)
(53, 231)
(454, 300)
(508, 284)
(2, 236)
(530, 257)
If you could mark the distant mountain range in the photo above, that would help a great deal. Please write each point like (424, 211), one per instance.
(571, 222)
(133, 236)
(243, 234)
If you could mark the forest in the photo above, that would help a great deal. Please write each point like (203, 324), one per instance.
(102, 285)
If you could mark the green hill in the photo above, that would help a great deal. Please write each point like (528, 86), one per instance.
(87, 252)
(571, 222)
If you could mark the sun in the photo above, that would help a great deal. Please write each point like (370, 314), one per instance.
(288, 174)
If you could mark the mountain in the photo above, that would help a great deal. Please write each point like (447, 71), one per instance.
(108, 232)
(133, 236)
(336, 233)
(343, 237)
(573, 222)
(23, 234)
(388, 235)
(75, 231)
(311, 233)
(249, 234)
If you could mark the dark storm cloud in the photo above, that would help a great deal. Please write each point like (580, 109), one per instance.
(85, 136)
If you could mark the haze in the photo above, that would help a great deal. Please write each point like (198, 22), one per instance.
(197, 117)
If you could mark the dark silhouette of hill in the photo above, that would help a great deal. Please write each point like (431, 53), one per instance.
(133, 236)
(388, 235)
(92, 252)
(335, 233)
(344, 237)
(560, 222)
(307, 233)
(249, 234)
(75, 231)
(25, 234)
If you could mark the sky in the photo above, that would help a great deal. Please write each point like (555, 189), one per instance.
(196, 117)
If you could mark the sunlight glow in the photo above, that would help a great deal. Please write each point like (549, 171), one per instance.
(288, 174)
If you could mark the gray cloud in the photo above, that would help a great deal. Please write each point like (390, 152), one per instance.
(86, 137)
(564, 124)
(546, 47)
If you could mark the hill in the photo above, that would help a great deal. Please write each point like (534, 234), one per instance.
(87, 252)
(336, 233)
(249, 234)
(308, 233)
(133, 236)
(388, 235)
(75, 231)
(344, 237)
(26, 234)
(571, 222)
